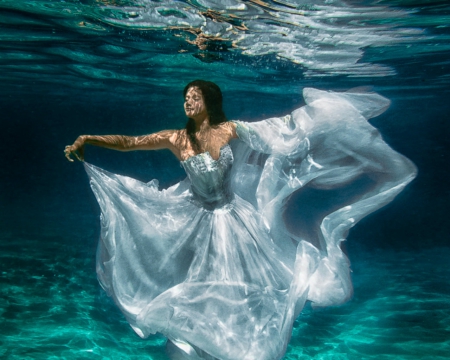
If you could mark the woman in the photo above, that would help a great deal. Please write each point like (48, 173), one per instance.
(206, 130)
(210, 262)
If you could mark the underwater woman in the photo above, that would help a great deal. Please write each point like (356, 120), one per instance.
(210, 262)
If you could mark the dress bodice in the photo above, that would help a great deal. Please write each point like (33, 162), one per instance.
(210, 178)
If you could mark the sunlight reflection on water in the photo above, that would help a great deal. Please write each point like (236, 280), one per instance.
(52, 307)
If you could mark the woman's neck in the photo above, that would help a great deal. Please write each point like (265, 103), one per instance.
(202, 125)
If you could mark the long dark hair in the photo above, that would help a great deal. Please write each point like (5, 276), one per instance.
(213, 102)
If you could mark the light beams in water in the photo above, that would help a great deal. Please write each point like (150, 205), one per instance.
(52, 307)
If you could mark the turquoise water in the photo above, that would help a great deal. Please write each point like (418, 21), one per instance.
(99, 66)
(53, 308)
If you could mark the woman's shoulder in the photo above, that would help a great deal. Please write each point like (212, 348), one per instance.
(179, 137)
(231, 127)
(179, 132)
(226, 125)
(227, 128)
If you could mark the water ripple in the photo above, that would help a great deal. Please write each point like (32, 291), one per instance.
(324, 38)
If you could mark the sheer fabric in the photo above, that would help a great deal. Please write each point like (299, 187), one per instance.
(211, 262)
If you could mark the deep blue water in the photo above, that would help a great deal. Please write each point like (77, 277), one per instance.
(73, 67)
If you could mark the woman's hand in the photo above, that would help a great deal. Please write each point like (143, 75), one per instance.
(76, 149)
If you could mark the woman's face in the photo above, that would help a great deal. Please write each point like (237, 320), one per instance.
(194, 104)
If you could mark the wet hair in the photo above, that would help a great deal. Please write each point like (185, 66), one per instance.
(213, 102)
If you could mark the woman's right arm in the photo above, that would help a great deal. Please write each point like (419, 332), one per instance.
(160, 140)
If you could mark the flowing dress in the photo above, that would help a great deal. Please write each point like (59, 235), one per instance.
(211, 262)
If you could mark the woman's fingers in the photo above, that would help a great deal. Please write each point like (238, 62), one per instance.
(78, 153)
(67, 152)
(68, 156)
(75, 150)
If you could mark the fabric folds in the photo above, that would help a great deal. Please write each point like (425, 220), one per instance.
(212, 262)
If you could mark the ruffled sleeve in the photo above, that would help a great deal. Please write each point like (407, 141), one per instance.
(327, 144)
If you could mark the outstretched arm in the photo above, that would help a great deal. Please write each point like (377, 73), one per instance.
(160, 140)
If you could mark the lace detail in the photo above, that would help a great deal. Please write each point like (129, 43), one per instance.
(205, 162)
(210, 179)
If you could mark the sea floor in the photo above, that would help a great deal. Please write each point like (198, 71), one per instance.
(52, 307)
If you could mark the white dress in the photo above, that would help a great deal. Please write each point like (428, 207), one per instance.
(210, 262)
